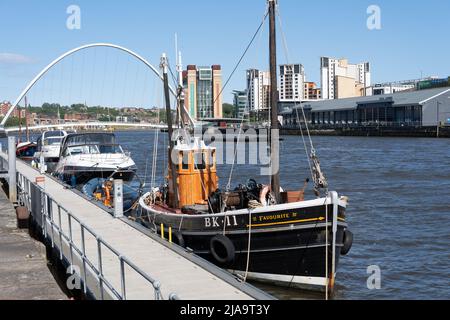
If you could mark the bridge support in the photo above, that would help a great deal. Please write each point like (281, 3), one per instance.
(12, 174)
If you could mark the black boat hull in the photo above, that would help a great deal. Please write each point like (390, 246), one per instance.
(287, 247)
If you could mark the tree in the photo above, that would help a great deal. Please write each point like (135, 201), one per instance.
(14, 122)
(228, 110)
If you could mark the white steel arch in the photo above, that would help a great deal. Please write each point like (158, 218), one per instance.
(68, 53)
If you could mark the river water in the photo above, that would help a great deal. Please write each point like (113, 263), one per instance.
(399, 210)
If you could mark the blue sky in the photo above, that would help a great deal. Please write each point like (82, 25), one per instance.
(413, 40)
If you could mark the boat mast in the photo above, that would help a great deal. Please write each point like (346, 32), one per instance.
(181, 112)
(26, 120)
(20, 124)
(274, 141)
(164, 66)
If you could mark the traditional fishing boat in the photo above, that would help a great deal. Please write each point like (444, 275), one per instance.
(86, 156)
(256, 231)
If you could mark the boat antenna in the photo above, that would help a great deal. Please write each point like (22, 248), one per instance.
(165, 66)
(274, 141)
(179, 62)
(181, 116)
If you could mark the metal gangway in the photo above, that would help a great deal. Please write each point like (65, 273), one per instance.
(112, 258)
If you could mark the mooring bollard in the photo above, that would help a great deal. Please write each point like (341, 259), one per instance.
(23, 217)
(43, 168)
(12, 169)
(118, 198)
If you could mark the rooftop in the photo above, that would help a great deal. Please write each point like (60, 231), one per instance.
(399, 99)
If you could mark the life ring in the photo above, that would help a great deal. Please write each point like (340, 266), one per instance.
(348, 242)
(222, 249)
(263, 195)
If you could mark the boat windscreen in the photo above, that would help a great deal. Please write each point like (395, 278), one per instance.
(51, 134)
(91, 139)
(53, 141)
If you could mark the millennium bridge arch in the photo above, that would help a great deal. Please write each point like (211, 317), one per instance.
(69, 53)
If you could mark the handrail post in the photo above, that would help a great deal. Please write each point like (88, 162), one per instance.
(70, 241)
(122, 278)
(157, 288)
(12, 169)
(43, 214)
(100, 268)
(83, 247)
(60, 234)
(50, 211)
(173, 296)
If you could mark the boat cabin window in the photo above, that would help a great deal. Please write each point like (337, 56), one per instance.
(53, 141)
(110, 149)
(199, 161)
(212, 156)
(95, 143)
(185, 157)
(93, 149)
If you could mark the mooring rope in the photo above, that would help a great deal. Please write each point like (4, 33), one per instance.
(249, 243)
(298, 103)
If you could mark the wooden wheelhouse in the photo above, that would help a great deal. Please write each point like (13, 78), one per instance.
(196, 174)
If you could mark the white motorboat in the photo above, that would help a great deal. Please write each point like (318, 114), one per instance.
(93, 155)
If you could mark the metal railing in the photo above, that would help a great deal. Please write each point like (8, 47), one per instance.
(48, 217)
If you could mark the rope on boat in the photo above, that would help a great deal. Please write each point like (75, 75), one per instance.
(318, 177)
(243, 55)
(155, 143)
(228, 186)
(249, 243)
(254, 204)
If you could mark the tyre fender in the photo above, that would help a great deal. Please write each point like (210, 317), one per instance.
(348, 242)
(222, 249)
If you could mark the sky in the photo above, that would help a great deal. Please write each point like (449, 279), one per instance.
(412, 41)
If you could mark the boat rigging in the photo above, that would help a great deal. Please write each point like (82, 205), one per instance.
(257, 231)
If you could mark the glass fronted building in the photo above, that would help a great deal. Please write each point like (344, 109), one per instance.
(423, 108)
(204, 93)
(202, 88)
(240, 104)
